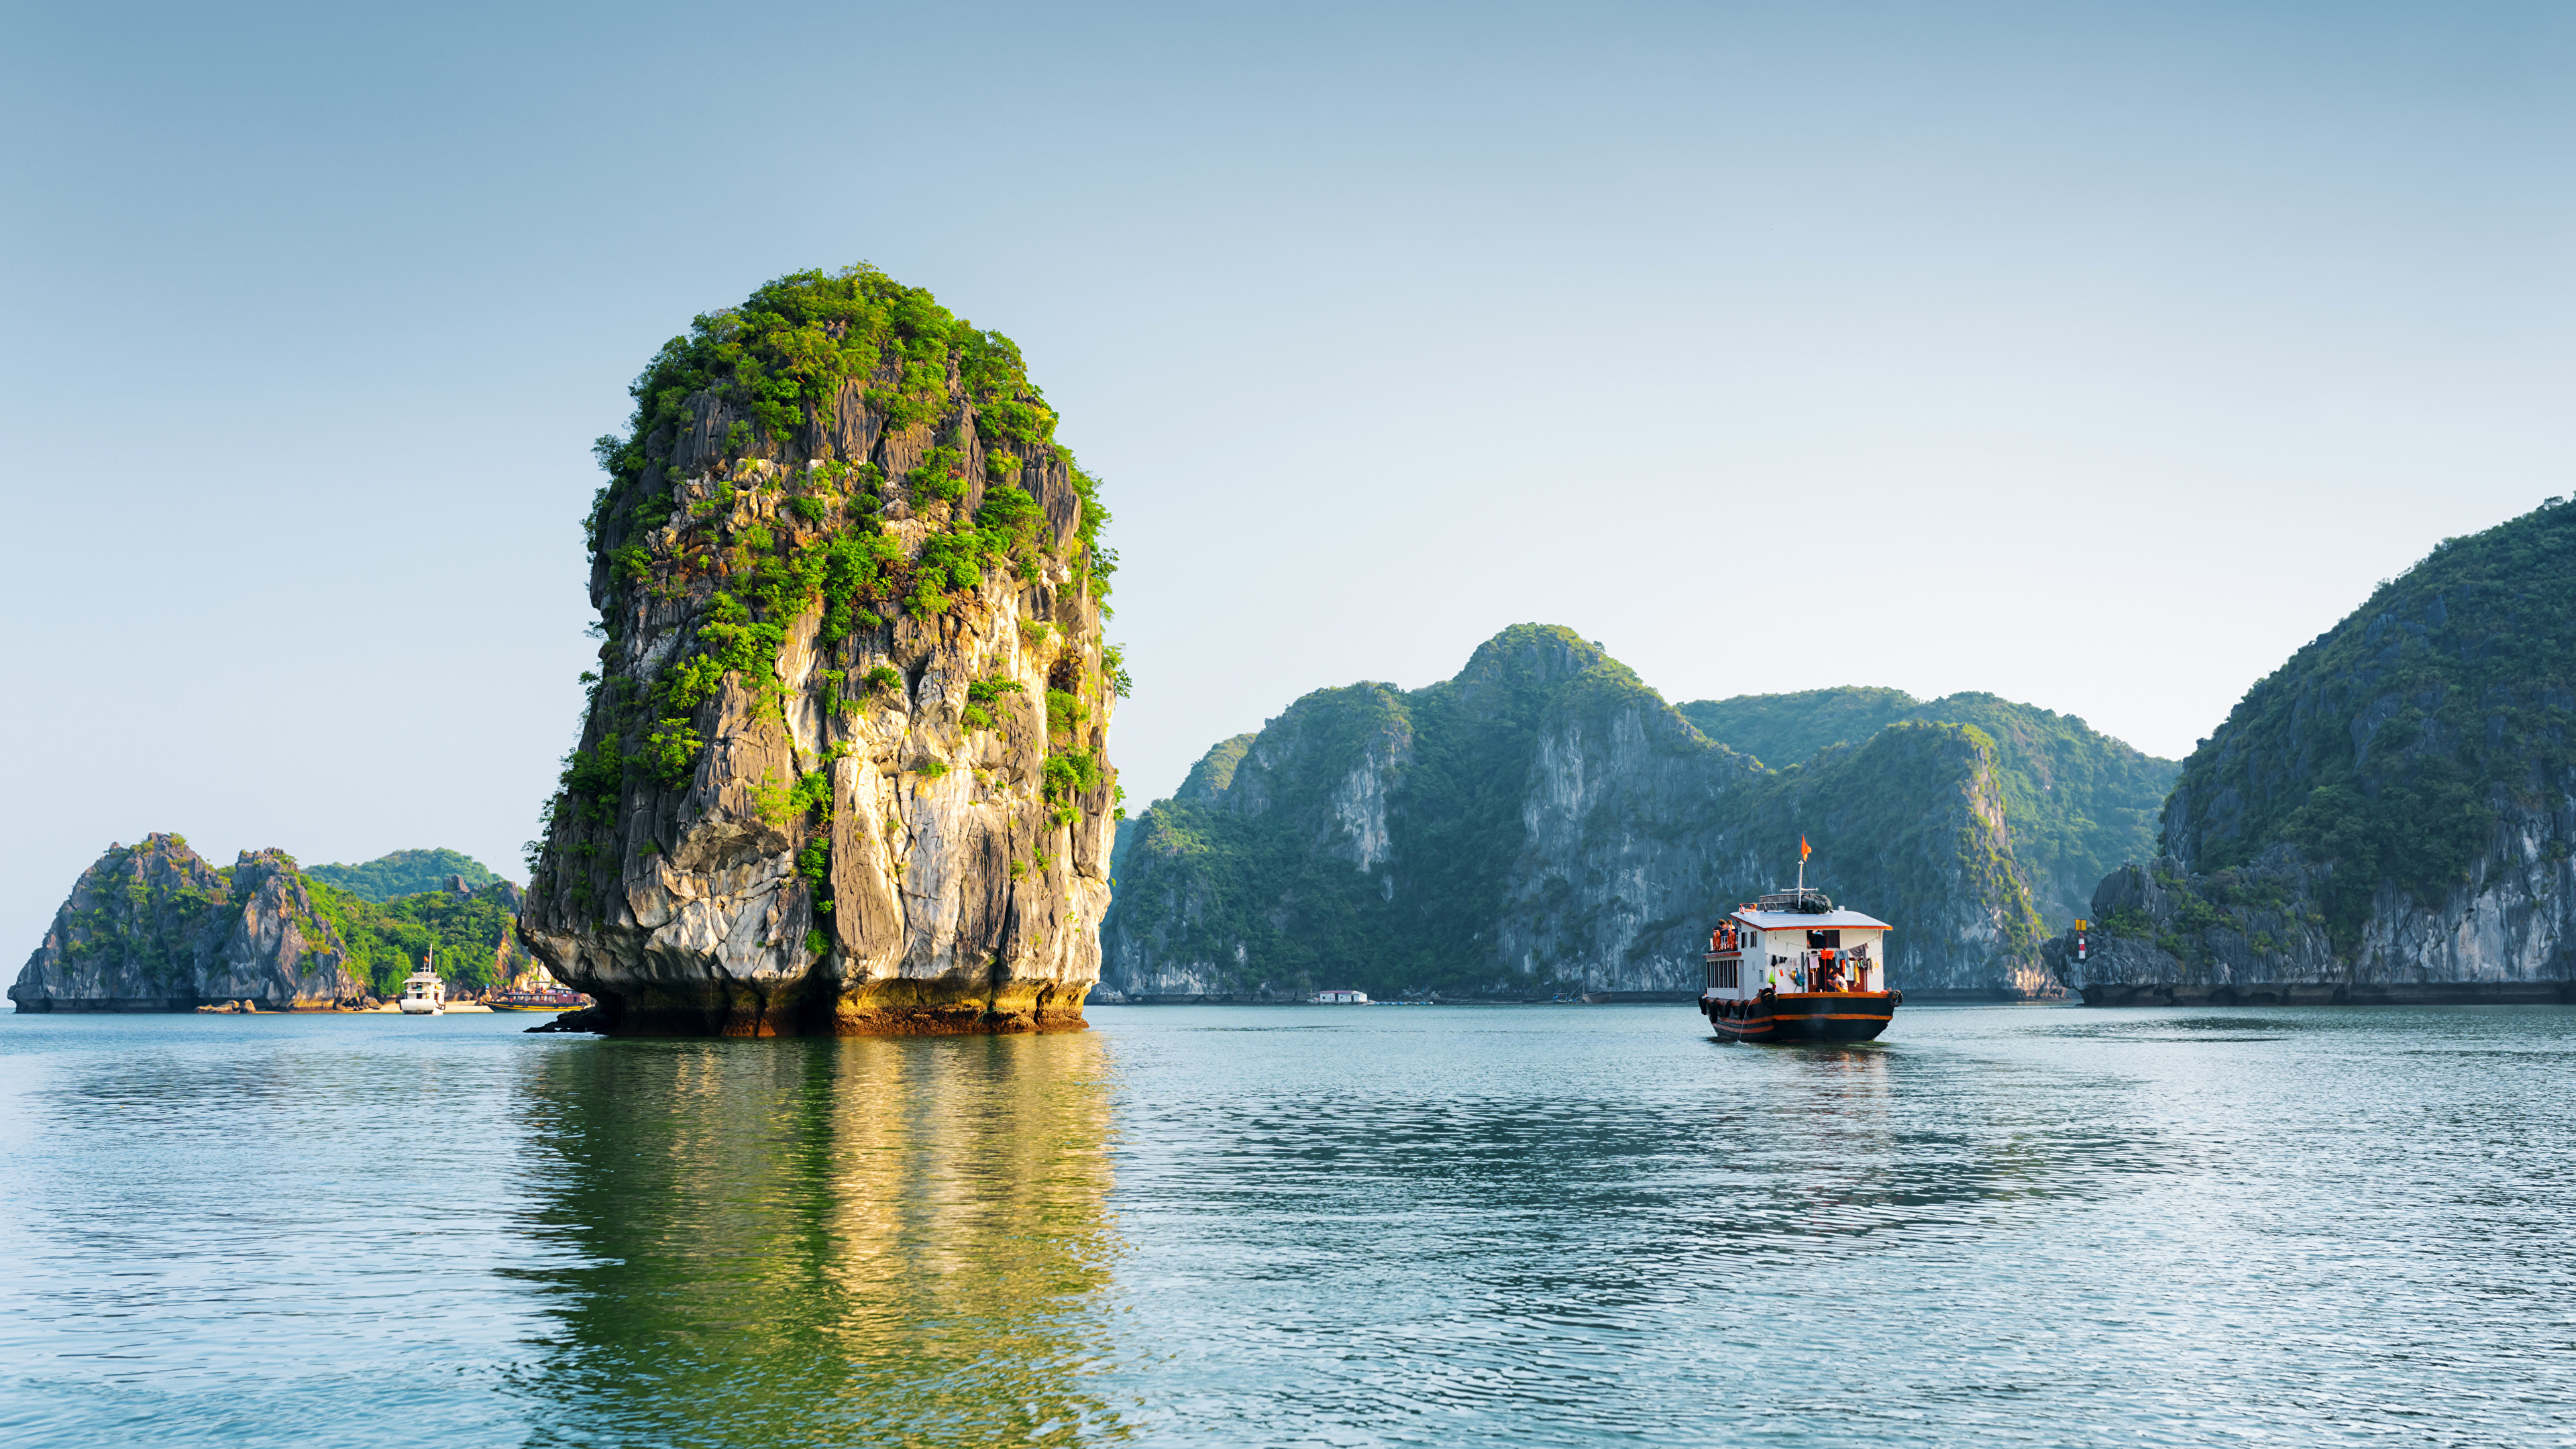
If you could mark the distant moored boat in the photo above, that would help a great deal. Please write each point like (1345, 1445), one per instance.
(423, 994)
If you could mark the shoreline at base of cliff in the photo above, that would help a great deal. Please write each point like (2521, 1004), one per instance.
(2313, 993)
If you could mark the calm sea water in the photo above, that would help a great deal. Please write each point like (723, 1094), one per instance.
(1346, 1226)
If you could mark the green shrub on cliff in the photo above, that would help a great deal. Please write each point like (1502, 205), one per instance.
(787, 351)
(670, 751)
(853, 568)
(1010, 518)
(980, 695)
(790, 349)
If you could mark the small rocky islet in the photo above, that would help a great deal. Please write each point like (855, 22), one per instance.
(156, 927)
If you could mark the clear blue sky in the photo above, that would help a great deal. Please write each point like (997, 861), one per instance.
(2097, 355)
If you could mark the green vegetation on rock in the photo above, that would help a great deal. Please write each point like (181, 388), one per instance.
(1544, 822)
(787, 356)
(852, 692)
(2079, 802)
(2393, 748)
(403, 873)
(155, 926)
(1782, 729)
(466, 933)
(804, 505)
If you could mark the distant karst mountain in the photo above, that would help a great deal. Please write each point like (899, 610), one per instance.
(155, 927)
(2078, 802)
(1545, 822)
(2390, 815)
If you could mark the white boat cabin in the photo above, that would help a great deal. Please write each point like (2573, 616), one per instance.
(423, 994)
(1771, 943)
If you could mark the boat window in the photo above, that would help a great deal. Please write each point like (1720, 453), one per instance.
(1824, 940)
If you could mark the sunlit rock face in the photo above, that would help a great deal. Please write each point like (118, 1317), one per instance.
(844, 765)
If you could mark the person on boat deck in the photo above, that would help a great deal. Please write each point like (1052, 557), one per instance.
(1829, 973)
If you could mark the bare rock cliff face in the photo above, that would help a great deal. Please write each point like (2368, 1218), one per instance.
(844, 767)
(2255, 935)
(153, 927)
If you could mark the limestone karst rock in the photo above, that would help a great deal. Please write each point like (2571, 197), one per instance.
(843, 766)
(2389, 816)
(153, 927)
(1545, 822)
(2077, 801)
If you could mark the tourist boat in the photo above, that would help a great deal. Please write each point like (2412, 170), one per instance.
(552, 998)
(423, 994)
(1790, 967)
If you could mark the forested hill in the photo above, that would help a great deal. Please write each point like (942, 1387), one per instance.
(2395, 805)
(2079, 803)
(1545, 822)
(403, 873)
(1782, 729)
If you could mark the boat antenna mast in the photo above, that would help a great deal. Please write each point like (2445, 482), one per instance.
(1804, 850)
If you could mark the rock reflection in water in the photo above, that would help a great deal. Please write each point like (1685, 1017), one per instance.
(825, 1240)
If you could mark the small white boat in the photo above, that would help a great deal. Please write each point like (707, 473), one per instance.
(423, 994)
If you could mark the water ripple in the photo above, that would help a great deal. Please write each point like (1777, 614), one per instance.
(1454, 1226)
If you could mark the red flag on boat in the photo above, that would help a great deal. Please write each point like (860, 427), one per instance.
(1804, 849)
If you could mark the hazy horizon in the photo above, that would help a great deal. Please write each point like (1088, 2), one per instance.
(2097, 358)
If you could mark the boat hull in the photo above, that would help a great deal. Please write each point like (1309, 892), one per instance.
(1819, 1016)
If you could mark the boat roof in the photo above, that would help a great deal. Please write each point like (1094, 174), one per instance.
(1809, 920)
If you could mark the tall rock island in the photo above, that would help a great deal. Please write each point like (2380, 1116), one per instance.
(1545, 822)
(843, 768)
(2389, 816)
